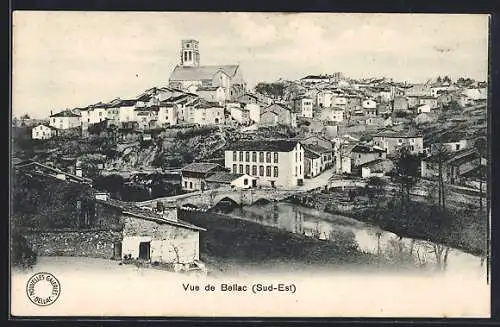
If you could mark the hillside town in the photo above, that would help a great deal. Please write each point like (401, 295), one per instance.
(144, 171)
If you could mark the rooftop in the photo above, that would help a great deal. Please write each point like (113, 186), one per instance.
(133, 210)
(366, 149)
(398, 134)
(223, 177)
(200, 167)
(182, 73)
(65, 113)
(310, 155)
(316, 148)
(277, 145)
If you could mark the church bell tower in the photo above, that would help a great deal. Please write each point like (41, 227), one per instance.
(190, 54)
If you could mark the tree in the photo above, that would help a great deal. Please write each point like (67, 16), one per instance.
(406, 172)
(439, 79)
(377, 183)
(440, 155)
(274, 90)
(481, 147)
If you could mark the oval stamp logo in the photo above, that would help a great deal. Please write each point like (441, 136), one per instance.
(43, 289)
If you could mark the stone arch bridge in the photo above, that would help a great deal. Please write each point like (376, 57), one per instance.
(210, 198)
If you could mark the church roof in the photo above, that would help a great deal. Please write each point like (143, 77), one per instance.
(182, 73)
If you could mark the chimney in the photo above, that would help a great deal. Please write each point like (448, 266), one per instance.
(104, 196)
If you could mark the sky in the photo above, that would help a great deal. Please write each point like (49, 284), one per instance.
(72, 59)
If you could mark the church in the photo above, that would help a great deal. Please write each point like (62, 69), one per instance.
(191, 77)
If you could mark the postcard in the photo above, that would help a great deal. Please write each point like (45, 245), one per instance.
(206, 164)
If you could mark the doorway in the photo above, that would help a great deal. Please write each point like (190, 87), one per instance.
(254, 183)
(117, 251)
(144, 250)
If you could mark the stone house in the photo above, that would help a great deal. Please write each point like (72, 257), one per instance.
(91, 224)
(194, 175)
(278, 114)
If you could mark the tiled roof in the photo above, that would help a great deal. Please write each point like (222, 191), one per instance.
(182, 73)
(223, 177)
(200, 167)
(128, 103)
(378, 165)
(310, 155)
(285, 145)
(400, 134)
(208, 88)
(133, 210)
(315, 148)
(65, 113)
(366, 149)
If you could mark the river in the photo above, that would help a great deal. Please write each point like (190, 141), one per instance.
(371, 239)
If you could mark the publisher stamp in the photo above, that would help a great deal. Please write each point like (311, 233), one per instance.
(43, 289)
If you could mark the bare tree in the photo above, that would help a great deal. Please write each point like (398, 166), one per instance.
(440, 155)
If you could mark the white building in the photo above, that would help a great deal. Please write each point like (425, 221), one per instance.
(254, 112)
(212, 94)
(424, 109)
(225, 179)
(304, 105)
(206, 114)
(65, 120)
(42, 132)
(167, 114)
(241, 115)
(324, 99)
(274, 163)
(126, 111)
(97, 113)
(369, 104)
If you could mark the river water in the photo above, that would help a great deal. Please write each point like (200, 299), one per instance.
(371, 239)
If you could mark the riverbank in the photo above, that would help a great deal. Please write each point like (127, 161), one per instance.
(464, 229)
(237, 246)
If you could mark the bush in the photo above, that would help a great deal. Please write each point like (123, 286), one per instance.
(22, 256)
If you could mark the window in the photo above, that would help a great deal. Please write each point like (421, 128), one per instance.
(234, 169)
(268, 171)
(261, 156)
(457, 147)
(359, 156)
(190, 184)
(234, 156)
(241, 169)
(247, 156)
(275, 171)
(295, 156)
(380, 155)
(261, 170)
(254, 170)
(100, 113)
(254, 156)
(247, 169)
(241, 155)
(276, 157)
(268, 157)
(300, 156)
(37, 133)
(245, 181)
(300, 170)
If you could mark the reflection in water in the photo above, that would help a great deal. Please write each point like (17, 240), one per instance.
(371, 239)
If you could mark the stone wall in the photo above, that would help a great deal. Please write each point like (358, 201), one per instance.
(95, 244)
